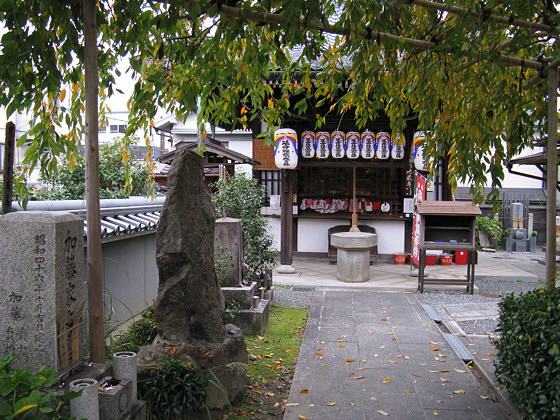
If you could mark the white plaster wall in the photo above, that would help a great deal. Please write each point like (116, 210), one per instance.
(275, 231)
(313, 234)
(242, 143)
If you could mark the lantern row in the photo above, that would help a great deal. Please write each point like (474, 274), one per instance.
(338, 144)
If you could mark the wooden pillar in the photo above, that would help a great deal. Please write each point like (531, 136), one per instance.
(551, 180)
(94, 281)
(286, 219)
(9, 147)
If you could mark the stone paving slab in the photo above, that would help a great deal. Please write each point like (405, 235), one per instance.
(382, 356)
(473, 311)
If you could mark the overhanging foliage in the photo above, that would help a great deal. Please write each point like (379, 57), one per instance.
(452, 69)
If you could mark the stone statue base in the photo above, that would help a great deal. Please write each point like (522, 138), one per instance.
(227, 360)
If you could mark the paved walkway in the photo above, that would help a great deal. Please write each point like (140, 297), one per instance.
(370, 354)
(317, 272)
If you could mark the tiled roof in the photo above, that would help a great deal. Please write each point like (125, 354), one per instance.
(119, 217)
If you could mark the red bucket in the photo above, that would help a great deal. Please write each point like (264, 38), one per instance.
(446, 259)
(431, 259)
(400, 259)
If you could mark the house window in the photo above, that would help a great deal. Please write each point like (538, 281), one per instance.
(272, 183)
(120, 128)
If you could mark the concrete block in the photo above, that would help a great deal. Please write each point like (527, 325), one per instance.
(115, 398)
(253, 321)
(241, 294)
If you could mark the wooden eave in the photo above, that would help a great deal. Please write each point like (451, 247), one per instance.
(449, 208)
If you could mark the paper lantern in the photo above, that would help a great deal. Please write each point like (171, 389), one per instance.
(383, 140)
(368, 145)
(285, 152)
(397, 151)
(323, 144)
(338, 143)
(308, 144)
(419, 143)
(353, 140)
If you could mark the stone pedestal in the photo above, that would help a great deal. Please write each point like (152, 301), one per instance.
(353, 255)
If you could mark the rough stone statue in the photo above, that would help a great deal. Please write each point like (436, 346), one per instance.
(189, 308)
(189, 304)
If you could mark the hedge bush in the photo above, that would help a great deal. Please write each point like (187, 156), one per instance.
(528, 352)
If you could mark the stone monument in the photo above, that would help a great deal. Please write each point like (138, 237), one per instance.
(42, 289)
(228, 248)
(520, 239)
(189, 308)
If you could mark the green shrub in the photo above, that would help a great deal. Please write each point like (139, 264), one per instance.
(25, 395)
(528, 352)
(174, 389)
(242, 198)
(493, 227)
(138, 334)
(232, 309)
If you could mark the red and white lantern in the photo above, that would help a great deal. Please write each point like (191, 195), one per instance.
(338, 143)
(368, 145)
(353, 140)
(383, 144)
(285, 152)
(323, 144)
(308, 144)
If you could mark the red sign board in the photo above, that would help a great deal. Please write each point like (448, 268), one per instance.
(419, 196)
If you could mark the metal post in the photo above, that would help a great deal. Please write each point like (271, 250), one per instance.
(551, 180)
(95, 284)
(8, 186)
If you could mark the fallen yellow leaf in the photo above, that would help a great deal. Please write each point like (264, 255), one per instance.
(288, 351)
(436, 413)
(348, 361)
(331, 404)
(460, 371)
(459, 391)
(443, 379)
(387, 379)
(490, 354)
(291, 405)
(434, 349)
(384, 319)
(324, 364)
(269, 394)
(304, 391)
(357, 377)
(341, 345)
(484, 397)
(302, 418)
(383, 413)
(319, 354)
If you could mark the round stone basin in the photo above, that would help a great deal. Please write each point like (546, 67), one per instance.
(354, 240)
(352, 260)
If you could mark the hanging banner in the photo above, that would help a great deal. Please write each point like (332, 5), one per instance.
(419, 196)
(419, 143)
(308, 144)
(397, 149)
(353, 139)
(285, 152)
(338, 143)
(323, 144)
(367, 145)
(383, 140)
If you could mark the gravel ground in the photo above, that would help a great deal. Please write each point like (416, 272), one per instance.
(490, 291)
(294, 297)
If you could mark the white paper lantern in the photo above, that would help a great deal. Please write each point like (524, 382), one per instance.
(397, 151)
(353, 140)
(368, 145)
(323, 144)
(383, 140)
(308, 144)
(338, 143)
(285, 152)
(419, 143)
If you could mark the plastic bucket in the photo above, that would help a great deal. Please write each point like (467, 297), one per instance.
(431, 259)
(446, 259)
(400, 259)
